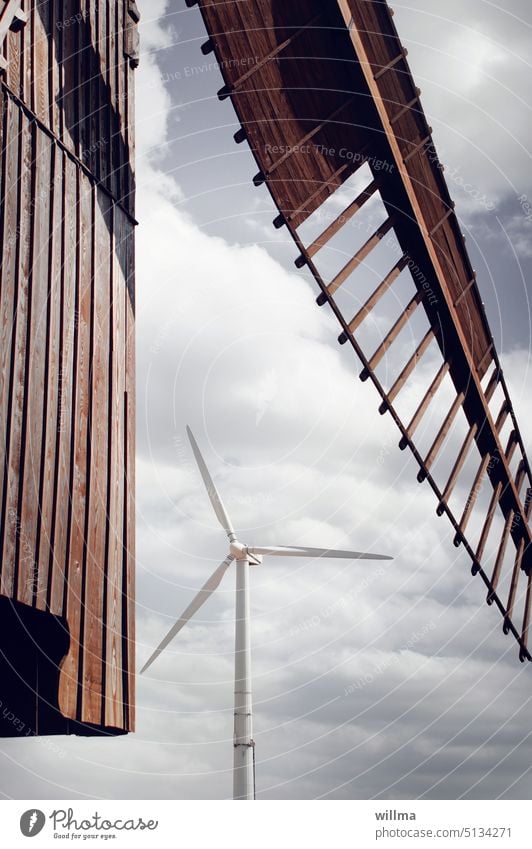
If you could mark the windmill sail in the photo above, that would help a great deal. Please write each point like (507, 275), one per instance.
(328, 90)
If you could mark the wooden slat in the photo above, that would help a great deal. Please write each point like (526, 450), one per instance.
(481, 546)
(391, 64)
(526, 616)
(375, 297)
(275, 51)
(9, 221)
(457, 468)
(66, 409)
(18, 373)
(300, 143)
(360, 256)
(418, 147)
(34, 409)
(518, 562)
(500, 556)
(40, 24)
(114, 659)
(425, 402)
(411, 365)
(302, 212)
(68, 687)
(472, 498)
(341, 220)
(128, 630)
(392, 335)
(406, 108)
(442, 434)
(51, 384)
(94, 620)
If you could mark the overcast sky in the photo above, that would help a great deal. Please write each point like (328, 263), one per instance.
(370, 681)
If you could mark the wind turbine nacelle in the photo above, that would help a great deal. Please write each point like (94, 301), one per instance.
(241, 552)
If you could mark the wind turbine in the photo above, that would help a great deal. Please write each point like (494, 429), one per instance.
(243, 556)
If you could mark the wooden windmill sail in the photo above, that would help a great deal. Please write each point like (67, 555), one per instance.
(310, 81)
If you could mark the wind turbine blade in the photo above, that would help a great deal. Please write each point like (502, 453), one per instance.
(301, 551)
(206, 591)
(212, 492)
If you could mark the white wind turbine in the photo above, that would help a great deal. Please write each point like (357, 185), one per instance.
(243, 556)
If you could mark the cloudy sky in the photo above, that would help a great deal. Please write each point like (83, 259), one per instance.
(370, 681)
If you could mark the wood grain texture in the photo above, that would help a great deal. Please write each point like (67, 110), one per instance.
(67, 351)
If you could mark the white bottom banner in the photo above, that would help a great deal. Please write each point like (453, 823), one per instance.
(264, 825)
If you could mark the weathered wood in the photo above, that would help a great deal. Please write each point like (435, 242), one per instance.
(472, 498)
(76, 576)
(9, 221)
(66, 421)
(11, 540)
(410, 367)
(360, 256)
(114, 656)
(67, 124)
(500, 556)
(392, 335)
(457, 468)
(96, 566)
(425, 402)
(375, 297)
(34, 411)
(391, 64)
(340, 221)
(442, 435)
(51, 384)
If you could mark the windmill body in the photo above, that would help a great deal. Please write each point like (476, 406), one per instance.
(242, 557)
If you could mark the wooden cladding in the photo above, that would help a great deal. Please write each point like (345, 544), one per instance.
(67, 66)
(311, 123)
(67, 394)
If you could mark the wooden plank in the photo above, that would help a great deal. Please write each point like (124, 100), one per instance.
(301, 143)
(122, 68)
(130, 560)
(9, 223)
(129, 117)
(442, 434)
(51, 384)
(114, 650)
(104, 62)
(34, 408)
(41, 60)
(360, 256)
(516, 572)
(472, 498)
(94, 620)
(425, 402)
(457, 468)
(18, 374)
(342, 219)
(411, 365)
(526, 617)
(392, 335)
(391, 64)
(59, 563)
(500, 556)
(70, 79)
(113, 102)
(375, 297)
(12, 50)
(55, 68)
(72, 664)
